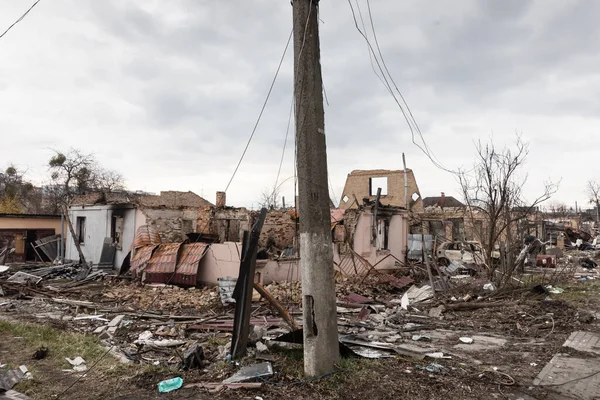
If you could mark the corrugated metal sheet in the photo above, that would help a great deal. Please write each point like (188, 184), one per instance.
(140, 259)
(162, 263)
(145, 235)
(182, 260)
(190, 257)
(156, 264)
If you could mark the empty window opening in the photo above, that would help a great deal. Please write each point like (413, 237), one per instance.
(345, 199)
(116, 231)
(382, 234)
(80, 230)
(415, 196)
(379, 182)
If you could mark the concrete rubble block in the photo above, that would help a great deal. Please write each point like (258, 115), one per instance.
(99, 330)
(571, 377)
(584, 341)
(436, 312)
(261, 347)
(116, 321)
(257, 333)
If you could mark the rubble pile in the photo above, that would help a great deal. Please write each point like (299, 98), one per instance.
(170, 297)
(436, 320)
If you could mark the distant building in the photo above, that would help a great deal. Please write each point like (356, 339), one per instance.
(20, 231)
(442, 202)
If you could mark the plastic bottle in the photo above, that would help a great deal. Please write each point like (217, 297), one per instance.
(170, 385)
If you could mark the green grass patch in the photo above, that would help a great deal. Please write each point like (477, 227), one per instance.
(581, 292)
(59, 343)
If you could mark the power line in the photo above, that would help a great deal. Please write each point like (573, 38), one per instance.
(396, 86)
(19, 20)
(287, 132)
(406, 112)
(262, 110)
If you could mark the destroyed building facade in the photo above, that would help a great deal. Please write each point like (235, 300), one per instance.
(21, 231)
(114, 219)
(398, 188)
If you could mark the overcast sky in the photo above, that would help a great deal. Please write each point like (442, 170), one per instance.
(167, 92)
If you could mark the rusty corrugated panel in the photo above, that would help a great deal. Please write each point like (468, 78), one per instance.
(141, 258)
(189, 260)
(175, 263)
(162, 264)
(145, 235)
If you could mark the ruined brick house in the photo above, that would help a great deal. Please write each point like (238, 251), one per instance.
(398, 188)
(376, 233)
(228, 224)
(116, 217)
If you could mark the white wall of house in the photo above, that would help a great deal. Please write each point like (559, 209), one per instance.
(98, 223)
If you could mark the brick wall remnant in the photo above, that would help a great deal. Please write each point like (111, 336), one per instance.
(358, 185)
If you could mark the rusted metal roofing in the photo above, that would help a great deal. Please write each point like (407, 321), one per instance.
(175, 263)
(140, 259)
(191, 254)
(145, 235)
(161, 263)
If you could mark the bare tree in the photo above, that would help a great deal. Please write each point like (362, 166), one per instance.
(76, 172)
(269, 198)
(593, 190)
(494, 188)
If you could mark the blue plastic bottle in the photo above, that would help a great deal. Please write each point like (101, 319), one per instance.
(170, 384)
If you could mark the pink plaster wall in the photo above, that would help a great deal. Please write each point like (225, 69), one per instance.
(397, 240)
(278, 271)
(221, 260)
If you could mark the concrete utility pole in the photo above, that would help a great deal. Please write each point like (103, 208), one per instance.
(321, 347)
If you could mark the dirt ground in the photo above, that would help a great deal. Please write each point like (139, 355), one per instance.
(533, 325)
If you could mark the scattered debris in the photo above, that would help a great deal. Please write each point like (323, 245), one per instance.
(437, 355)
(160, 343)
(417, 295)
(554, 290)
(261, 347)
(193, 357)
(250, 372)
(40, 353)
(433, 368)
(466, 340)
(170, 384)
(217, 387)
(226, 287)
(424, 338)
(78, 364)
(11, 377)
(23, 277)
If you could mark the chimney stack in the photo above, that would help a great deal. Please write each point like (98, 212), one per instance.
(221, 200)
(442, 200)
